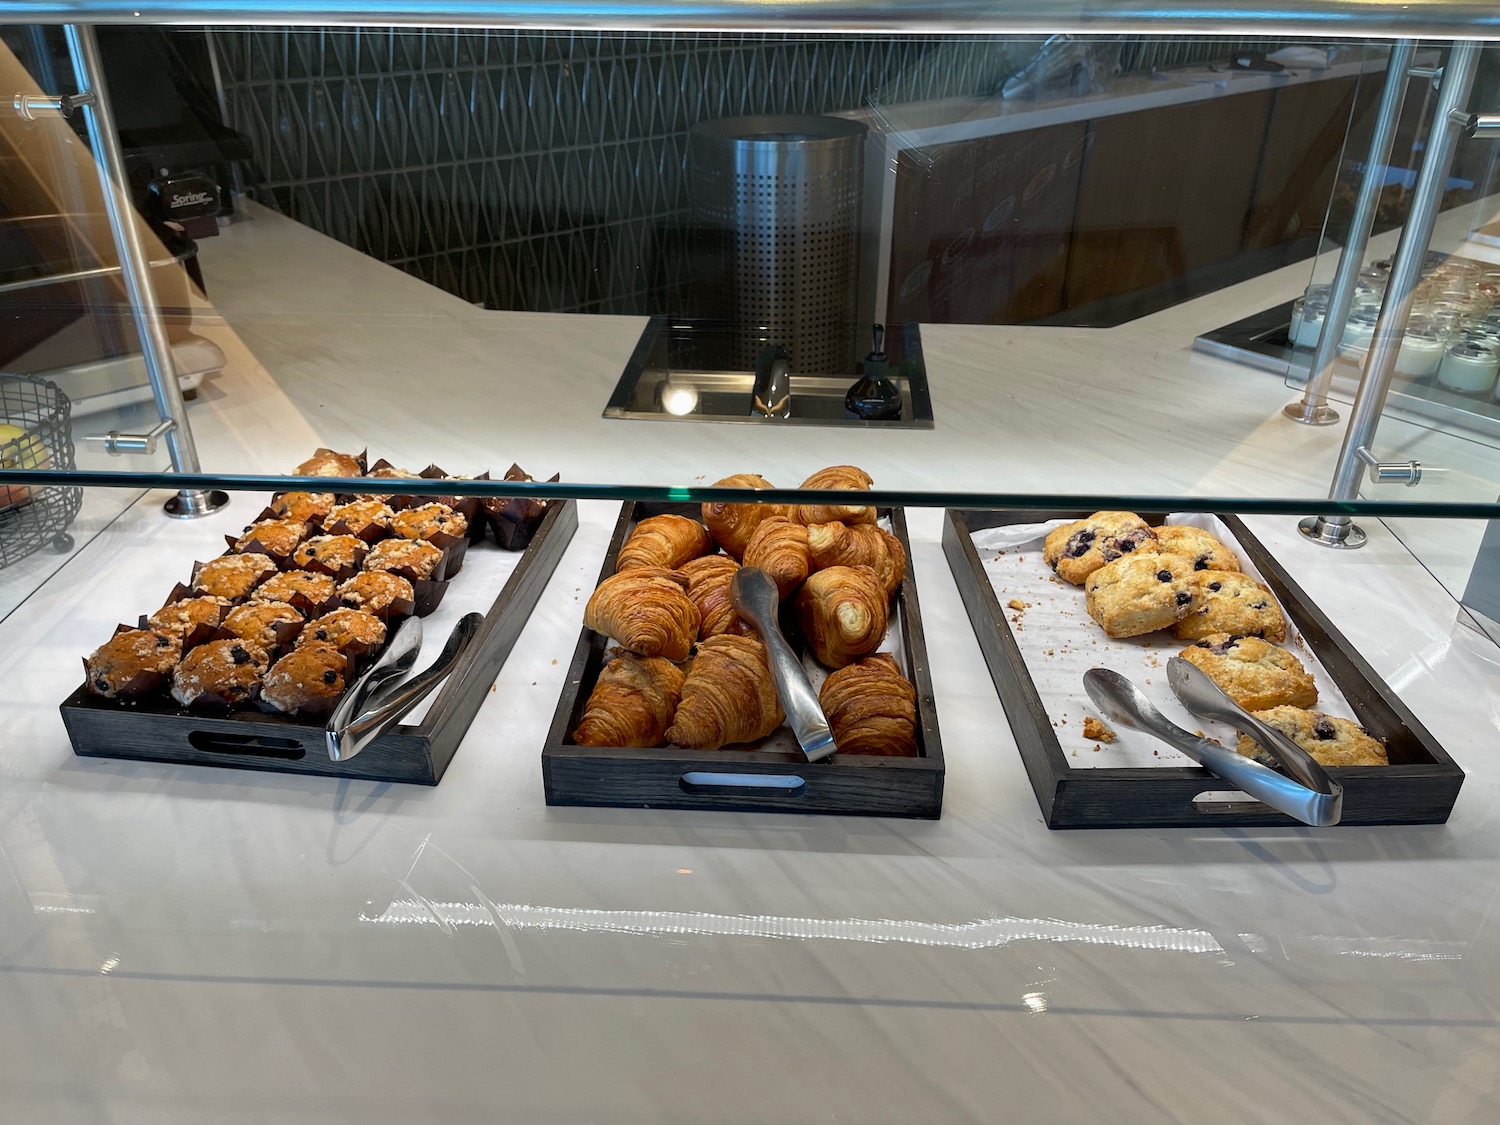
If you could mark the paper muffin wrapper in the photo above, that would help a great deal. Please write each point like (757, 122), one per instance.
(314, 709)
(429, 595)
(514, 520)
(370, 533)
(309, 608)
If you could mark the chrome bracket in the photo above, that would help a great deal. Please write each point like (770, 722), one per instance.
(115, 443)
(1408, 473)
(1484, 126)
(34, 107)
(1433, 74)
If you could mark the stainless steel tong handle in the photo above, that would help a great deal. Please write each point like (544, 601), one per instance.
(756, 599)
(1196, 691)
(350, 729)
(1122, 702)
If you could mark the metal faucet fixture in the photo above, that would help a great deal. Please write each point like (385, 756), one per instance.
(772, 395)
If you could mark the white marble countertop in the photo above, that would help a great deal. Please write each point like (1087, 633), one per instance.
(190, 945)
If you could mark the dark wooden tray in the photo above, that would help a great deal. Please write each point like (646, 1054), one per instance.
(1418, 787)
(159, 731)
(747, 780)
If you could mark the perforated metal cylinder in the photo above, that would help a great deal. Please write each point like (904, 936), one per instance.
(781, 198)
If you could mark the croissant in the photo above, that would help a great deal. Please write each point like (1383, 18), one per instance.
(779, 547)
(728, 697)
(708, 586)
(664, 541)
(732, 525)
(647, 610)
(861, 544)
(632, 704)
(846, 477)
(844, 612)
(872, 708)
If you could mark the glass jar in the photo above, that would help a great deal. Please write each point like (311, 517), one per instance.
(1421, 353)
(1470, 368)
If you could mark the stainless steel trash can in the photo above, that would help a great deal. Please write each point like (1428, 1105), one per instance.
(779, 198)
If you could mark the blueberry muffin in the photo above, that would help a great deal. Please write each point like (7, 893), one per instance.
(327, 463)
(233, 576)
(132, 663)
(302, 506)
(307, 679)
(1254, 673)
(1140, 593)
(334, 553)
(1077, 549)
(278, 537)
(360, 516)
(1226, 601)
(427, 520)
(344, 629)
(1205, 551)
(415, 557)
(221, 672)
(181, 618)
(1330, 740)
(293, 586)
(266, 625)
(375, 591)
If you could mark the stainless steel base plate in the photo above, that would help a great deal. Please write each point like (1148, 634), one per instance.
(1341, 537)
(191, 503)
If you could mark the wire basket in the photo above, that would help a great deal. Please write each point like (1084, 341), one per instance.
(35, 517)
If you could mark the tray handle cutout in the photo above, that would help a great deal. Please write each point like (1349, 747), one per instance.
(259, 746)
(702, 783)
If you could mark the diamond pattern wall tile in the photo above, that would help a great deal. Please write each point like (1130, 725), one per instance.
(548, 170)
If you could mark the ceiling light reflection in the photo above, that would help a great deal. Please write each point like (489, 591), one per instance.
(988, 933)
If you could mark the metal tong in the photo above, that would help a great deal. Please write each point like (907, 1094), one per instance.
(1318, 803)
(372, 705)
(757, 600)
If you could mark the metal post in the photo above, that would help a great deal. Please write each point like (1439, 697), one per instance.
(1314, 410)
(1406, 273)
(135, 269)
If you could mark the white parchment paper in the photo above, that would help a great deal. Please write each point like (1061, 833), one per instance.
(1060, 642)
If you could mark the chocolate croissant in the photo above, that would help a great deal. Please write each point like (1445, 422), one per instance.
(844, 477)
(729, 696)
(664, 541)
(732, 525)
(708, 586)
(844, 612)
(632, 704)
(872, 708)
(861, 544)
(779, 547)
(647, 610)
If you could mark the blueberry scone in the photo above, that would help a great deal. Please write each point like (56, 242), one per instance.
(1254, 673)
(1330, 740)
(1140, 594)
(1226, 601)
(1197, 545)
(1077, 549)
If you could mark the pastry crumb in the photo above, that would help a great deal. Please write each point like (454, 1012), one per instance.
(1093, 728)
(1097, 748)
(1015, 603)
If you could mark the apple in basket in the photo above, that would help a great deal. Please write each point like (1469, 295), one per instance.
(19, 449)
